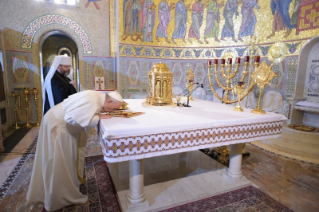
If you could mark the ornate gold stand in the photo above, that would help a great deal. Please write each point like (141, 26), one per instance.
(16, 126)
(239, 88)
(35, 93)
(26, 93)
(262, 76)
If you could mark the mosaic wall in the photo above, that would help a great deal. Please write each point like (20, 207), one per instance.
(188, 33)
(198, 23)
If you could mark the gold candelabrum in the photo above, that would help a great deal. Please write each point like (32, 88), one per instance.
(14, 94)
(26, 92)
(262, 76)
(229, 75)
(35, 93)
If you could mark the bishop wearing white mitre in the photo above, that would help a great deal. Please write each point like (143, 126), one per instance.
(59, 160)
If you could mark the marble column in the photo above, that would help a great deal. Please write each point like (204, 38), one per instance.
(136, 198)
(234, 172)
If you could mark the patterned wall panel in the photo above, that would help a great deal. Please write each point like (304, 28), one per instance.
(98, 67)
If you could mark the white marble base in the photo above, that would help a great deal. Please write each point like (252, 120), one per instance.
(173, 180)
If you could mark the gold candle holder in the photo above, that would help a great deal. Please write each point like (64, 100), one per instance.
(262, 76)
(26, 93)
(239, 88)
(35, 93)
(228, 76)
(16, 126)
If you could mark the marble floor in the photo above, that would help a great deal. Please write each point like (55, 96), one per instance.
(292, 182)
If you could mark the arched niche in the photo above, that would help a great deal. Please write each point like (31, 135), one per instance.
(300, 114)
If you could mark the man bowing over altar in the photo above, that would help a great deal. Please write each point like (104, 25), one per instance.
(59, 159)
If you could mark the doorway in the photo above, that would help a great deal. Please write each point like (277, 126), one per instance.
(58, 43)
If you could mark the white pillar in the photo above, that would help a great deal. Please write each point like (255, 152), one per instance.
(234, 171)
(135, 196)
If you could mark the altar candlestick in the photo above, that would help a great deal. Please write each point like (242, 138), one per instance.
(246, 59)
(222, 61)
(238, 60)
(257, 59)
(230, 60)
(215, 61)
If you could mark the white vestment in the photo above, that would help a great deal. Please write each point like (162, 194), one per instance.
(60, 152)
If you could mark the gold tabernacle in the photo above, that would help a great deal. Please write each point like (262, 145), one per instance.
(160, 85)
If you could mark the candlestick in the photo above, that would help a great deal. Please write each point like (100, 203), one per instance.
(257, 59)
(238, 60)
(246, 59)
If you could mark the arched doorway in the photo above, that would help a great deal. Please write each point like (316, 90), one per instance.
(58, 43)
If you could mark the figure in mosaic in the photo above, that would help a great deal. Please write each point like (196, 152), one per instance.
(131, 19)
(95, 4)
(230, 10)
(128, 13)
(294, 16)
(164, 17)
(136, 8)
(212, 20)
(247, 27)
(197, 21)
(180, 21)
(148, 19)
(281, 21)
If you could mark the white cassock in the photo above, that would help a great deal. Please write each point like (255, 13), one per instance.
(60, 153)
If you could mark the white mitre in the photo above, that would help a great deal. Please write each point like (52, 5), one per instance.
(64, 60)
(115, 95)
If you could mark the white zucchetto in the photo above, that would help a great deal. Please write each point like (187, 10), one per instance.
(115, 95)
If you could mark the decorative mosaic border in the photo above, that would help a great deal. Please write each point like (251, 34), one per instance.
(32, 28)
(123, 148)
(14, 173)
(131, 50)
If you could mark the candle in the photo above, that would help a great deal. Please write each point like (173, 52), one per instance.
(222, 61)
(257, 59)
(240, 83)
(238, 60)
(230, 60)
(215, 61)
(247, 59)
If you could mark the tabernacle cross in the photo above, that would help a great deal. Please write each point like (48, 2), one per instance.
(99, 81)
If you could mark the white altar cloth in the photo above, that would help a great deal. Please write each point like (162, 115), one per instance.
(162, 131)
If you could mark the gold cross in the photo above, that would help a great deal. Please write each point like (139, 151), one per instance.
(313, 15)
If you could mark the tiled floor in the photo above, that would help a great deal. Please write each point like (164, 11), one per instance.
(291, 182)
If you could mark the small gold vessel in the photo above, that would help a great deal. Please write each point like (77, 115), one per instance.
(123, 106)
(160, 85)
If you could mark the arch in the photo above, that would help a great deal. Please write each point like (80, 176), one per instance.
(302, 66)
(33, 27)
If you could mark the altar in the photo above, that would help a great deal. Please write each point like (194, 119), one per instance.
(171, 130)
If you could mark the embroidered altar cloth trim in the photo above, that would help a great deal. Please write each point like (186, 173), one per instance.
(205, 125)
